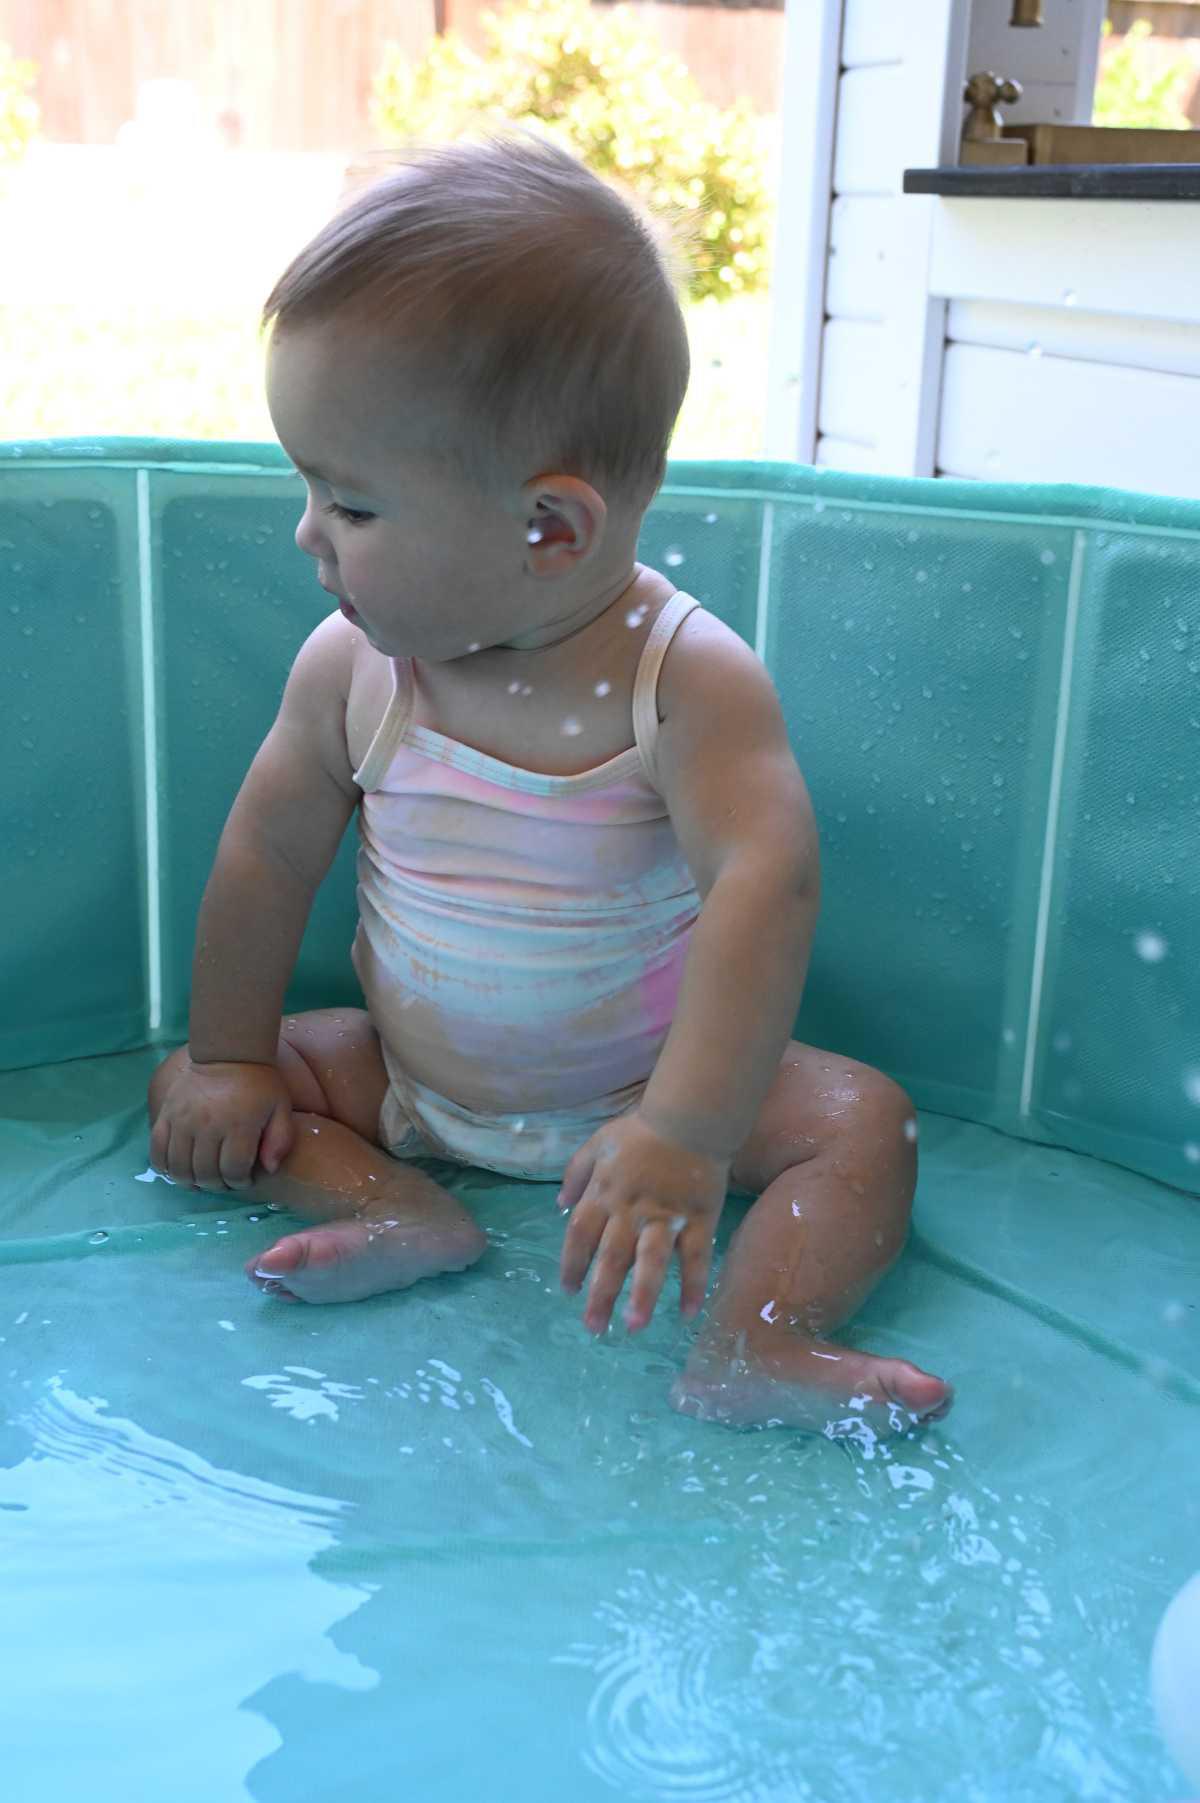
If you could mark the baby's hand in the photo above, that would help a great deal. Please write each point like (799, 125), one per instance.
(635, 1192)
(216, 1120)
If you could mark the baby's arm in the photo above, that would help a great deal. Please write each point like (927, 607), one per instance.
(745, 823)
(279, 841)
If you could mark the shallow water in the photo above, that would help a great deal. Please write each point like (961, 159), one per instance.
(443, 1544)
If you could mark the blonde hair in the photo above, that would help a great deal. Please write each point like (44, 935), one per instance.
(532, 304)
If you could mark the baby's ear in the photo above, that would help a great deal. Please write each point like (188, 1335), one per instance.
(549, 529)
(566, 511)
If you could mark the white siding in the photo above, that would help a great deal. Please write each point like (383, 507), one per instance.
(1054, 341)
(852, 381)
(840, 454)
(872, 32)
(1163, 345)
(870, 122)
(1008, 416)
(1075, 342)
(860, 246)
(881, 354)
(1139, 258)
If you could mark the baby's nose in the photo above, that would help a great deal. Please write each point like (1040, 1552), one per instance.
(309, 537)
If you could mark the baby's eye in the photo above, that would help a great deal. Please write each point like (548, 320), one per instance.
(353, 515)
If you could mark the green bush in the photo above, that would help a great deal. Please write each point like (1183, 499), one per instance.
(600, 85)
(19, 112)
(1125, 95)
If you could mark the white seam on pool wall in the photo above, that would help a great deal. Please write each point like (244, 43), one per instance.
(764, 581)
(1053, 814)
(150, 752)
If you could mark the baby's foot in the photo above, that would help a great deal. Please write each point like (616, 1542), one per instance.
(794, 1381)
(347, 1260)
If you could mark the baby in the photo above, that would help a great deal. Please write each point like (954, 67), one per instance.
(588, 874)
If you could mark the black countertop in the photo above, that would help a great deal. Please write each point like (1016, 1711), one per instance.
(1061, 181)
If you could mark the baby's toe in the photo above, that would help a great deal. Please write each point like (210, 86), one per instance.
(267, 1270)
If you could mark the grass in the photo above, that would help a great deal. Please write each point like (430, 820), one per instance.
(139, 371)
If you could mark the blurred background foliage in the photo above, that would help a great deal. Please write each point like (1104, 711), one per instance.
(595, 81)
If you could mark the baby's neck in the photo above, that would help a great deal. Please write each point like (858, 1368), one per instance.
(612, 631)
(626, 589)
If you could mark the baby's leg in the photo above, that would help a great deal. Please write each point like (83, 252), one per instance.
(391, 1224)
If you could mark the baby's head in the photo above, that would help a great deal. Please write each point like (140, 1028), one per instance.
(481, 346)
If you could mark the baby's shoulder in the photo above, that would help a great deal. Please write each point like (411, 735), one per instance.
(332, 677)
(704, 660)
(325, 661)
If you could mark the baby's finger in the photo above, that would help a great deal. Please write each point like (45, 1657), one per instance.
(617, 1251)
(160, 1144)
(695, 1263)
(579, 1246)
(206, 1161)
(238, 1152)
(278, 1137)
(654, 1248)
(179, 1158)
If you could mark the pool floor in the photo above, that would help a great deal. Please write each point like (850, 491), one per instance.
(443, 1545)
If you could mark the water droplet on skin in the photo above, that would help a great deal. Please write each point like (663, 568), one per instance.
(635, 616)
(910, 1129)
(571, 727)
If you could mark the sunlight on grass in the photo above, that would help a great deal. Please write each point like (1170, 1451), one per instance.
(142, 372)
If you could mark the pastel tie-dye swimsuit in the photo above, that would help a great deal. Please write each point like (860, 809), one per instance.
(521, 938)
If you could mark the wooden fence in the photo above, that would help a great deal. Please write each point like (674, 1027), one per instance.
(297, 74)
